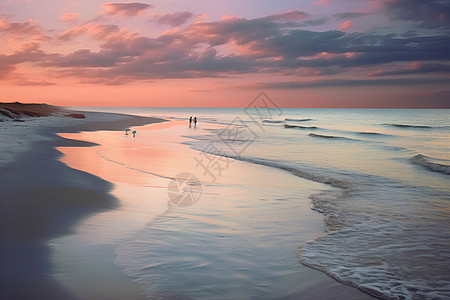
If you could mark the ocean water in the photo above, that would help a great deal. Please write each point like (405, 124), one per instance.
(376, 183)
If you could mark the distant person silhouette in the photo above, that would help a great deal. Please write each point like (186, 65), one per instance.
(190, 121)
(134, 133)
(195, 121)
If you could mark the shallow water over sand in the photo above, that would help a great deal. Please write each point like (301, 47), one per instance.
(241, 230)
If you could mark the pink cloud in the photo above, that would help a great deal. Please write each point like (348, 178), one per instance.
(126, 9)
(293, 15)
(25, 82)
(233, 45)
(98, 31)
(69, 17)
(346, 25)
(28, 28)
(413, 68)
(28, 52)
(175, 19)
(5, 68)
(29, 47)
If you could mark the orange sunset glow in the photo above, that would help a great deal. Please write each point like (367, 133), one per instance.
(363, 53)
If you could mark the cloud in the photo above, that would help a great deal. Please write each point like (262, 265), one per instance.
(82, 58)
(191, 53)
(346, 25)
(28, 52)
(302, 43)
(410, 33)
(350, 15)
(428, 13)
(293, 15)
(175, 19)
(29, 29)
(5, 68)
(130, 9)
(97, 31)
(261, 45)
(174, 63)
(313, 22)
(237, 30)
(301, 48)
(415, 68)
(69, 17)
(24, 82)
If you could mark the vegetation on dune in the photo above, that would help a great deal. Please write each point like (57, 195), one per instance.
(17, 110)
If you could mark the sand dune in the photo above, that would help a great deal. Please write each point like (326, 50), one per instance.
(18, 110)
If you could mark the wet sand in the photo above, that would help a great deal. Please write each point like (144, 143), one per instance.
(42, 198)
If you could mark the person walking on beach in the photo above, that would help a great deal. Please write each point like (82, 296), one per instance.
(195, 121)
(134, 133)
(190, 121)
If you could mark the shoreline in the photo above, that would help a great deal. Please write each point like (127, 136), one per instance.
(66, 197)
(316, 283)
(59, 179)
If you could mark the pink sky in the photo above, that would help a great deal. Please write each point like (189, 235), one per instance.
(359, 53)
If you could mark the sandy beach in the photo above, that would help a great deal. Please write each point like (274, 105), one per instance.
(87, 211)
(42, 198)
(63, 216)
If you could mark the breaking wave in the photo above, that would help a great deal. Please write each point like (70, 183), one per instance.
(370, 133)
(410, 126)
(330, 136)
(298, 126)
(377, 264)
(431, 164)
(273, 121)
(297, 120)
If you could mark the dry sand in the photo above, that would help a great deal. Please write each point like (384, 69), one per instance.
(41, 198)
